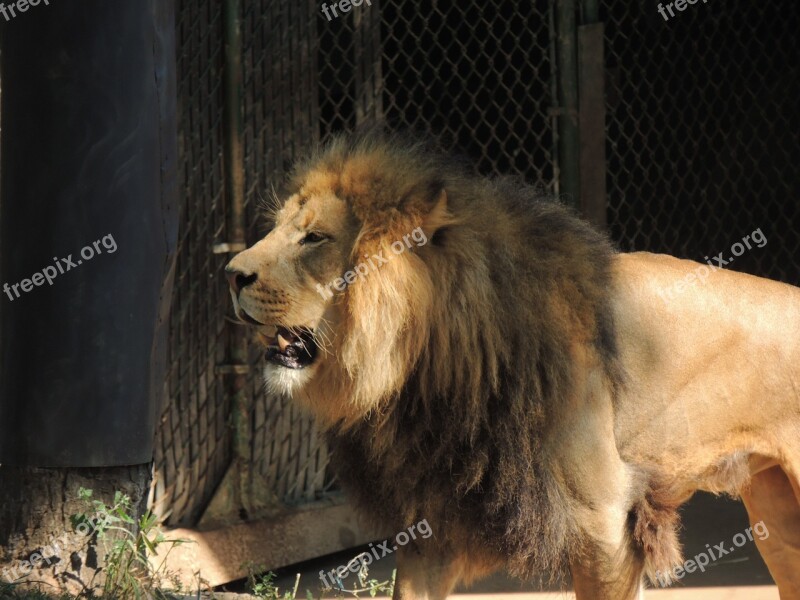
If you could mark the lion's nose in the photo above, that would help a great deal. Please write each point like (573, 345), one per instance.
(239, 280)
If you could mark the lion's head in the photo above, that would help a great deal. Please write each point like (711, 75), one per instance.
(340, 288)
(278, 283)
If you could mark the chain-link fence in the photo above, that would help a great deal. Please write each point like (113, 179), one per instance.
(701, 145)
(702, 131)
(193, 438)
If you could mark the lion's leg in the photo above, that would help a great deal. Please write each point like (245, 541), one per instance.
(425, 576)
(605, 562)
(772, 498)
(608, 567)
(590, 587)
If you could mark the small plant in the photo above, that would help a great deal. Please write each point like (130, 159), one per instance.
(367, 585)
(262, 585)
(129, 574)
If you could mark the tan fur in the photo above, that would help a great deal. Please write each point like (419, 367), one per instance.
(512, 380)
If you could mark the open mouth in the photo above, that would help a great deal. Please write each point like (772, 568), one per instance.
(293, 348)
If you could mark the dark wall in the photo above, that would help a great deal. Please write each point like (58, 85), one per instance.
(88, 155)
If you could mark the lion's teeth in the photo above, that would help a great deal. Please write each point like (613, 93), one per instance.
(283, 343)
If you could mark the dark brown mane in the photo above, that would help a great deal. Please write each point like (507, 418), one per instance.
(519, 282)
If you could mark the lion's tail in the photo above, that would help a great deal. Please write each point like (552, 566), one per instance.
(655, 532)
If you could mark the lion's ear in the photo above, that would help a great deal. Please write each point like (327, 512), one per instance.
(438, 217)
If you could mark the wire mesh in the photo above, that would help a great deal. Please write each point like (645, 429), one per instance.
(281, 108)
(192, 447)
(476, 74)
(701, 146)
(702, 131)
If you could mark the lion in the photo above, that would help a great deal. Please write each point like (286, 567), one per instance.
(483, 359)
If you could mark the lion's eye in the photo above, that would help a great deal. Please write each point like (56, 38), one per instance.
(312, 237)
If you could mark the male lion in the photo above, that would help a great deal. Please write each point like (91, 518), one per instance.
(484, 360)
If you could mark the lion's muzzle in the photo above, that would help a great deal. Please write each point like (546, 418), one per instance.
(290, 347)
(237, 281)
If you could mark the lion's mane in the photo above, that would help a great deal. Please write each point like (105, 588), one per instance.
(459, 355)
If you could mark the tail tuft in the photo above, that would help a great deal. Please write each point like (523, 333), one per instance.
(655, 533)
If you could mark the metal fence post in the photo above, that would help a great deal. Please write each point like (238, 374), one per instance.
(233, 499)
(591, 116)
(567, 111)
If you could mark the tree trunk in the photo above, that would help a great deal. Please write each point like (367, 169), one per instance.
(38, 545)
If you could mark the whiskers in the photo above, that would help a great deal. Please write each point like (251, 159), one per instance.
(269, 206)
(322, 338)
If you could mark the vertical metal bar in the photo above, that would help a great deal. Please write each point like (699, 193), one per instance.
(591, 74)
(234, 191)
(234, 121)
(367, 47)
(592, 114)
(552, 113)
(2, 175)
(568, 140)
(591, 12)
